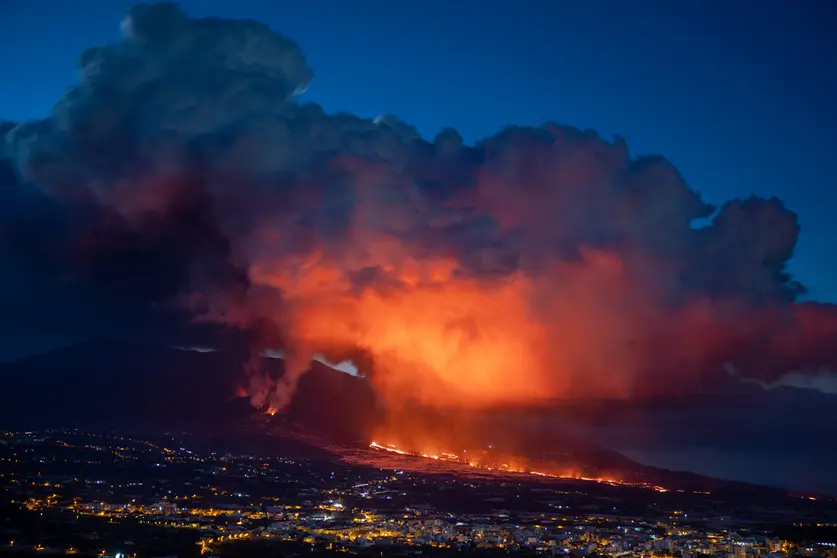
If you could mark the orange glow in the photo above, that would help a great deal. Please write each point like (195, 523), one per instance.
(445, 339)
(512, 468)
(433, 333)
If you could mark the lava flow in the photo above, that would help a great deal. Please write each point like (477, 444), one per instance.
(506, 468)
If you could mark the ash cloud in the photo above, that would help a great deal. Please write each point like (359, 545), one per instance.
(185, 185)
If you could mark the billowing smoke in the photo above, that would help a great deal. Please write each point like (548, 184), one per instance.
(185, 183)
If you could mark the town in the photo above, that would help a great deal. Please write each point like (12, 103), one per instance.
(72, 492)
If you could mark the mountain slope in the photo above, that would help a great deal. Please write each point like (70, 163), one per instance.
(109, 383)
(131, 387)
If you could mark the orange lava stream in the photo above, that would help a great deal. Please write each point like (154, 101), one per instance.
(451, 457)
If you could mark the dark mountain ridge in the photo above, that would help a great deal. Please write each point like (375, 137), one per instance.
(132, 387)
(123, 384)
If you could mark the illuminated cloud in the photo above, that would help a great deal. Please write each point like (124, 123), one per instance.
(183, 184)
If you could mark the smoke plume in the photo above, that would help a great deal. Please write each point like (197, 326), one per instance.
(185, 181)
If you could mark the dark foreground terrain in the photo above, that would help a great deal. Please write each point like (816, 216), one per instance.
(109, 494)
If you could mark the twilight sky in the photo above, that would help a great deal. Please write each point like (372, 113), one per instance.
(738, 95)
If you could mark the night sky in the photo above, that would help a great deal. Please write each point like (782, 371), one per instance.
(183, 188)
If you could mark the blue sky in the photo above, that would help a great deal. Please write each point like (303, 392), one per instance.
(739, 95)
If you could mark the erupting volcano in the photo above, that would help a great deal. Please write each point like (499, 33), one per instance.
(535, 266)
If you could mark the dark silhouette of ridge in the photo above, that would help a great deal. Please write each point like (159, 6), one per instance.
(111, 384)
(114, 383)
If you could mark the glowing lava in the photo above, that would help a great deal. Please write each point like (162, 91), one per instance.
(506, 468)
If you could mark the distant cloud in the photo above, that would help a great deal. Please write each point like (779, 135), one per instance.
(824, 381)
(197, 349)
(345, 366)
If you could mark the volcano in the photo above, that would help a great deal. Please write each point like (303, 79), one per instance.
(132, 387)
(107, 383)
